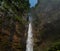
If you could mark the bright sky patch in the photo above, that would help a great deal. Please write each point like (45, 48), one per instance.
(33, 3)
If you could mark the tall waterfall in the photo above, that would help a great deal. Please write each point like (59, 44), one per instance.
(29, 46)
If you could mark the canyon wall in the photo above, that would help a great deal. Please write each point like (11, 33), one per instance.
(46, 24)
(13, 25)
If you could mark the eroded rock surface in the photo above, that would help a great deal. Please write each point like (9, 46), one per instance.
(46, 24)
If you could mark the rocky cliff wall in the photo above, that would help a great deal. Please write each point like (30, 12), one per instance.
(13, 25)
(46, 26)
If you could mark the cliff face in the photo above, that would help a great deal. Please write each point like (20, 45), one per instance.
(12, 36)
(13, 23)
(46, 24)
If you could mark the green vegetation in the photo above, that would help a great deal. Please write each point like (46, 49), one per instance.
(55, 47)
(14, 7)
(13, 15)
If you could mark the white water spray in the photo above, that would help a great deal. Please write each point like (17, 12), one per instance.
(29, 46)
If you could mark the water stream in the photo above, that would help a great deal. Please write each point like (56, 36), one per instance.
(29, 46)
(29, 43)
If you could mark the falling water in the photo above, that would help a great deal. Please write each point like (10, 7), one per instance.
(29, 46)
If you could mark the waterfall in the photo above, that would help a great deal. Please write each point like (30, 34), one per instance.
(29, 46)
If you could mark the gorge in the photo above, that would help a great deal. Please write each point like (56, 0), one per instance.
(19, 34)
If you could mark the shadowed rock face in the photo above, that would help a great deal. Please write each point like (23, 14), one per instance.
(13, 29)
(13, 32)
(46, 24)
(12, 36)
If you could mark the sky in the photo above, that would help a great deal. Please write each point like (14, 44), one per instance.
(32, 3)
